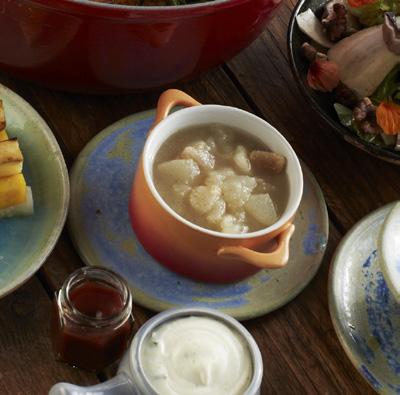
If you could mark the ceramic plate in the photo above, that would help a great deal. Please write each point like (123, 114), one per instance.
(365, 315)
(26, 242)
(99, 224)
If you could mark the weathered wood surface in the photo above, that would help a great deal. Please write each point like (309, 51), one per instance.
(27, 363)
(301, 352)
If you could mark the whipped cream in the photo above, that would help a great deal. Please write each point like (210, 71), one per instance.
(197, 356)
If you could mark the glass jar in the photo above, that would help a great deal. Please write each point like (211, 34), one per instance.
(92, 320)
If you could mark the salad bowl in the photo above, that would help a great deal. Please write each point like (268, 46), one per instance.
(339, 120)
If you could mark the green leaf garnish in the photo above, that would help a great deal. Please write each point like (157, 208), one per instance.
(373, 14)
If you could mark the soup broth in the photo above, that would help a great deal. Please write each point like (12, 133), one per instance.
(221, 178)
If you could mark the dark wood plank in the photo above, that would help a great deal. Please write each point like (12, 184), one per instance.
(300, 350)
(62, 262)
(27, 364)
(75, 119)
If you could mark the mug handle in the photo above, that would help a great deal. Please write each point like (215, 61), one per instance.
(121, 384)
(264, 260)
(168, 100)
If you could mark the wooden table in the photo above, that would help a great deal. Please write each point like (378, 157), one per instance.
(301, 352)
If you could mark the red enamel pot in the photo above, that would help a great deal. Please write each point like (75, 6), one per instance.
(79, 45)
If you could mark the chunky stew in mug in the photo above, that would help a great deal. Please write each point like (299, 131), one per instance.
(220, 178)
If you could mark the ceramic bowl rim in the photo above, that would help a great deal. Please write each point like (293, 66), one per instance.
(187, 311)
(91, 3)
(286, 216)
(110, 11)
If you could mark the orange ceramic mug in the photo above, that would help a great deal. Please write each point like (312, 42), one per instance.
(187, 248)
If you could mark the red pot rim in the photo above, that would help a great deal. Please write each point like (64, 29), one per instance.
(112, 11)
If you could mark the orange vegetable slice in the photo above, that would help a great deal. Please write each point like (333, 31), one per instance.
(323, 75)
(388, 117)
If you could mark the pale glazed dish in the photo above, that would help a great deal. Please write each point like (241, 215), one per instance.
(196, 356)
(221, 178)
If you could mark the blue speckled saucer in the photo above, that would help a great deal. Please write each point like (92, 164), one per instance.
(99, 225)
(365, 314)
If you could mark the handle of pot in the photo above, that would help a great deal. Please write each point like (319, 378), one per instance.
(264, 260)
(119, 385)
(168, 100)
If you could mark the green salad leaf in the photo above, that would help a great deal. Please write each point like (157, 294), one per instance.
(345, 114)
(373, 14)
(389, 88)
(371, 138)
(346, 118)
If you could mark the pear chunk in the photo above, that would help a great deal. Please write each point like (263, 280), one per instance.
(203, 198)
(236, 190)
(262, 209)
(180, 171)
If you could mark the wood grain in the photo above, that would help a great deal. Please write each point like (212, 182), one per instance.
(27, 364)
(301, 352)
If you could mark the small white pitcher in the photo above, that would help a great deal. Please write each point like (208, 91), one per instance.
(131, 379)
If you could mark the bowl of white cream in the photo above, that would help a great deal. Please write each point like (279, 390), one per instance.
(185, 351)
(197, 352)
